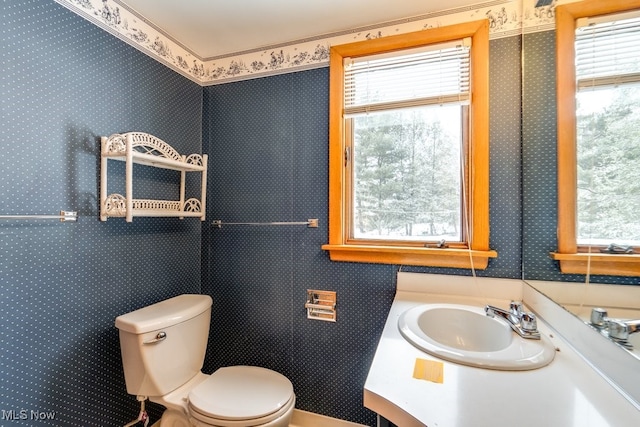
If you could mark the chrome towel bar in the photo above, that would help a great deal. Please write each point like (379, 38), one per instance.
(311, 223)
(64, 216)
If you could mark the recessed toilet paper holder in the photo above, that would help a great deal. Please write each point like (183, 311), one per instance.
(321, 305)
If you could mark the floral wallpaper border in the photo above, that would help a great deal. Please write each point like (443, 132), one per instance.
(506, 18)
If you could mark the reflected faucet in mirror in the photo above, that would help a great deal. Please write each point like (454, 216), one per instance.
(617, 330)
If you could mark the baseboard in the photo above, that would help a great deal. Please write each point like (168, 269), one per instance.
(302, 418)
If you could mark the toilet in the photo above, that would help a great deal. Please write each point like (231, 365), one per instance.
(163, 347)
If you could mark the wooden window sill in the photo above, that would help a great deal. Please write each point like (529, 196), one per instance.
(405, 255)
(598, 263)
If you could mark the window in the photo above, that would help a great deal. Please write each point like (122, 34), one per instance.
(409, 155)
(598, 76)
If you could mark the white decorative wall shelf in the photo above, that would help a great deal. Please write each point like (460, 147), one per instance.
(145, 149)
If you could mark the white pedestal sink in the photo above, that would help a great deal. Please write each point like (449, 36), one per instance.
(465, 335)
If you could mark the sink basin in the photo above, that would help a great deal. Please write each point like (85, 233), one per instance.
(465, 335)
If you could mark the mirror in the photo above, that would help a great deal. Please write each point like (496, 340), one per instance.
(577, 293)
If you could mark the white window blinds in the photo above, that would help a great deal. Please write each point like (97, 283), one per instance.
(434, 74)
(608, 51)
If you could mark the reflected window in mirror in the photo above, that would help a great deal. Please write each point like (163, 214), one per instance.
(409, 149)
(598, 76)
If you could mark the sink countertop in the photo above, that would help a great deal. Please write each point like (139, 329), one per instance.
(568, 392)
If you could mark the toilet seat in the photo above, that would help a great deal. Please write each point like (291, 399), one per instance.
(241, 395)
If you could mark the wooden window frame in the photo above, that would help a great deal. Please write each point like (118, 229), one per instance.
(575, 259)
(477, 255)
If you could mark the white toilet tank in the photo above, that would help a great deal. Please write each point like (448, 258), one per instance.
(163, 345)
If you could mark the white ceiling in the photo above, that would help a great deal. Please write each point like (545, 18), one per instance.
(211, 28)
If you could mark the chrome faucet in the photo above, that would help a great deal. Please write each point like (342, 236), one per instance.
(616, 329)
(523, 323)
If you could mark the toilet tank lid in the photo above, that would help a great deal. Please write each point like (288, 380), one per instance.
(164, 313)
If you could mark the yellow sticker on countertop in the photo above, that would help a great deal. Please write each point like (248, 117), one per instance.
(429, 370)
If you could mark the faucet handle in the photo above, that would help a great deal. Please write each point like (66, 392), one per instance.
(598, 317)
(528, 322)
(515, 307)
(618, 330)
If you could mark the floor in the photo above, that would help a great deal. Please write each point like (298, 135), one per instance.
(309, 419)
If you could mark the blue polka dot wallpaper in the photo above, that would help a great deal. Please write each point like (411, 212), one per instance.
(65, 83)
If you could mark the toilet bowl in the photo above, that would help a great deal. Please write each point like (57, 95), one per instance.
(234, 396)
(163, 347)
(242, 396)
